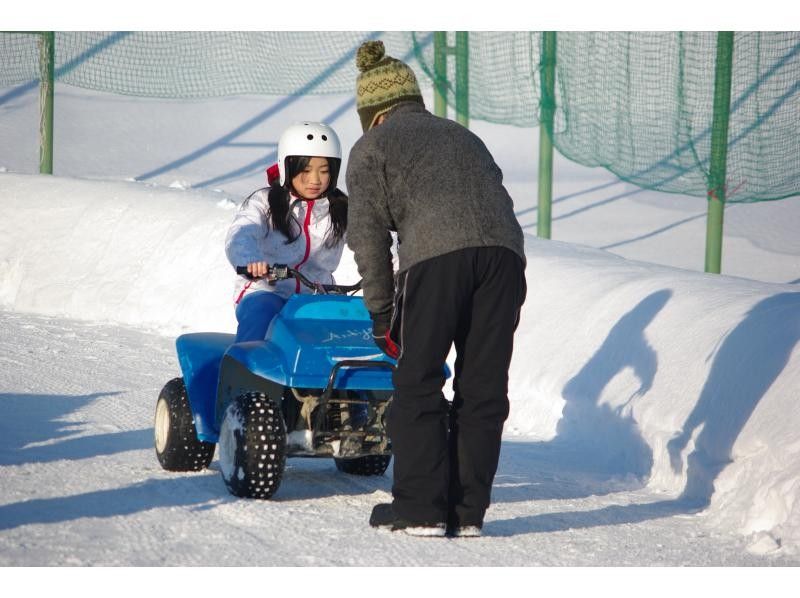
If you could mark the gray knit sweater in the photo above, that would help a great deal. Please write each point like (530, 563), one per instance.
(433, 182)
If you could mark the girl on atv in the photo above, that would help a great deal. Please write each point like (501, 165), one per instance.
(299, 220)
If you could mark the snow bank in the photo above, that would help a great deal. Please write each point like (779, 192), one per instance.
(679, 378)
(682, 380)
(114, 251)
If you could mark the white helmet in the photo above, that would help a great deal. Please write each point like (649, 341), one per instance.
(307, 139)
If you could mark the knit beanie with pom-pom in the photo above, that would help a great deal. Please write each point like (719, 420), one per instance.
(383, 82)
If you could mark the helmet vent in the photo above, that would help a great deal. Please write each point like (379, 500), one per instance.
(309, 137)
(324, 138)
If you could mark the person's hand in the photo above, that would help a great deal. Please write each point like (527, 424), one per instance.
(257, 269)
(381, 334)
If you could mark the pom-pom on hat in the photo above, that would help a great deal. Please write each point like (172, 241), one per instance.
(382, 83)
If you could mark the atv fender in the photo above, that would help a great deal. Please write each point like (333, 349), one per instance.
(236, 376)
(199, 355)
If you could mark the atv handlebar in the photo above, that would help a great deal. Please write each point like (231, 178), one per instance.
(277, 272)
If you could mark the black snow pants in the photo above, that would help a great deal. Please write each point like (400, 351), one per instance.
(446, 455)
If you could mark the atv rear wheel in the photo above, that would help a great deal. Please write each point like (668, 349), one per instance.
(252, 446)
(177, 446)
(368, 465)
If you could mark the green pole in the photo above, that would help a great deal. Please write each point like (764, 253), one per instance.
(546, 117)
(47, 53)
(462, 78)
(440, 73)
(719, 151)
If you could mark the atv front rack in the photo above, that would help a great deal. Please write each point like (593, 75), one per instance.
(351, 423)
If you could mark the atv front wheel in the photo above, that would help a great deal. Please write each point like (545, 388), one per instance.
(177, 446)
(369, 465)
(252, 446)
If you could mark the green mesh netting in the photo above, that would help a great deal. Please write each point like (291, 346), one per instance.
(198, 64)
(653, 97)
(636, 103)
(640, 104)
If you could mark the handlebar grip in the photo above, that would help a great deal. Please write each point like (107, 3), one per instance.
(282, 272)
(274, 272)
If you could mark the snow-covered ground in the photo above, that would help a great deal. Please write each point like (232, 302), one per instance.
(654, 414)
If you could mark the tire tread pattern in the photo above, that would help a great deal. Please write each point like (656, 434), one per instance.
(182, 451)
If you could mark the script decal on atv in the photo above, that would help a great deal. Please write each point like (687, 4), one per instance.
(362, 333)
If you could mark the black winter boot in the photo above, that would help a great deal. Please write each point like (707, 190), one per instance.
(384, 517)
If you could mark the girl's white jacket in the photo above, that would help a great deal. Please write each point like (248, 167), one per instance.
(251, 238)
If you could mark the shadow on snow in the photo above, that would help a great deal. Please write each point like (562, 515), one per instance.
(601, 449)
(304, 479)
(40, 430)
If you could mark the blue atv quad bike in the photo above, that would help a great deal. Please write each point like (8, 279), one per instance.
(316, 386)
